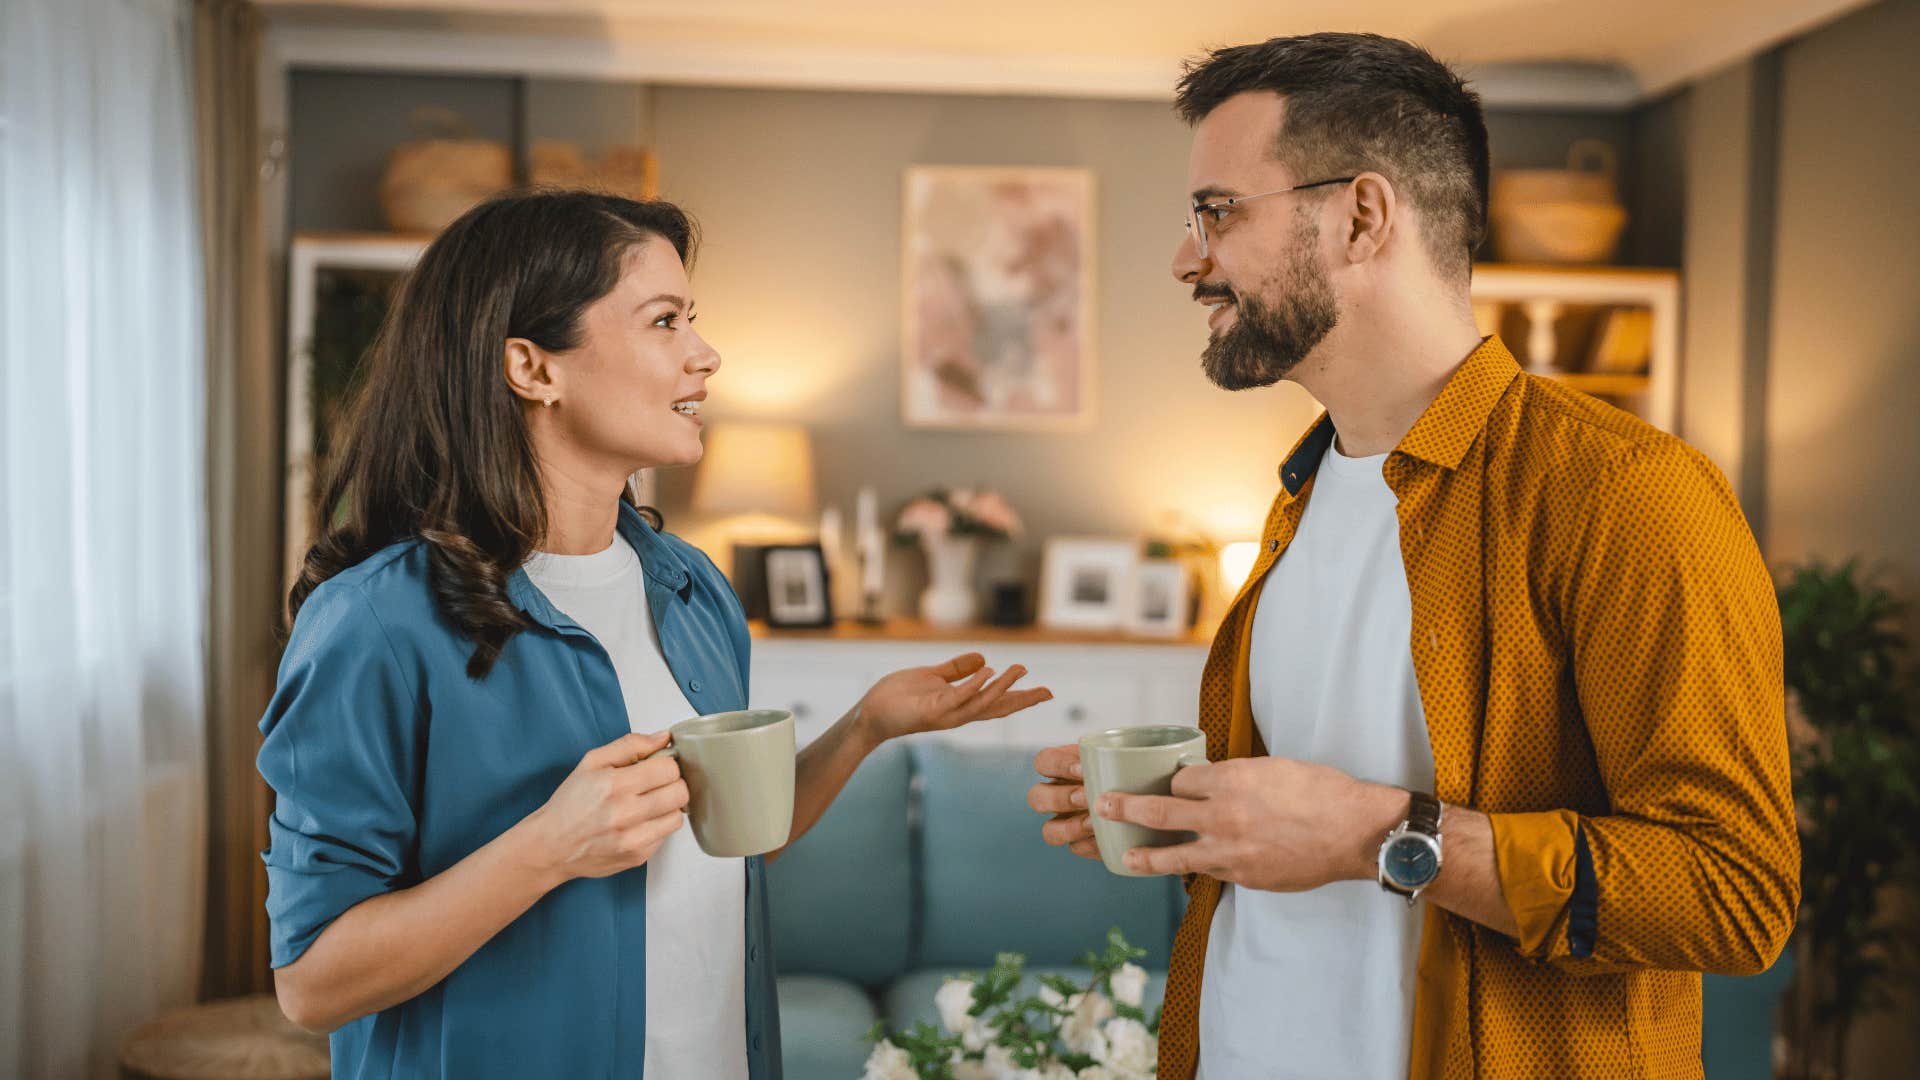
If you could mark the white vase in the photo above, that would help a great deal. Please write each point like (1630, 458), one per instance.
(949, 599)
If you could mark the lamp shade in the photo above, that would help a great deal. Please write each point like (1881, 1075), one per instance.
(756, 468)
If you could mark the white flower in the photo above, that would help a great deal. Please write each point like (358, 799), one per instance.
(1089, 1011)
(972, 1070)
(1000, 1064)
(1051, 996)
(953, 999)
(975, 1039)
(1094, 1072)
(1129, 984)
(889, 1062)
(1131, 1048)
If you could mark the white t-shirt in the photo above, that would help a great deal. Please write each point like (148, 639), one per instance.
(1320, 984)
(696, 904)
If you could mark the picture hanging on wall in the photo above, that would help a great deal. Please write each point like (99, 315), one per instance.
(997, 282)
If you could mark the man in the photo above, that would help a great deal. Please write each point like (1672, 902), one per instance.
(1499, 759)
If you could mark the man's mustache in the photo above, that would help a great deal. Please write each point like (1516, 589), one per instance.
(1217, 291)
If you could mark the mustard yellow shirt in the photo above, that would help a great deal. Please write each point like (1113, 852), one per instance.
(1597, 644)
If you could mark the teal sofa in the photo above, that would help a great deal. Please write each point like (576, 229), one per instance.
(930, 863)
(926, 866)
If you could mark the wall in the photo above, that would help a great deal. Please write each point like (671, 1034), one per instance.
(799, 196)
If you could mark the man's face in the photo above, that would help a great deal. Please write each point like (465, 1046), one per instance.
(1262, 274)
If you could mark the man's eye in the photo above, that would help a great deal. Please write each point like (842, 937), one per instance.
(1215, 214)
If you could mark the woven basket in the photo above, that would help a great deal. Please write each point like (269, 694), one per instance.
(1570, 215)
(433, 179)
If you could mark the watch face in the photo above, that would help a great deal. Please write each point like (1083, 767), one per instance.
(1413, 861)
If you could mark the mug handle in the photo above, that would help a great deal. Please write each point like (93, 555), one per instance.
(1190, 760)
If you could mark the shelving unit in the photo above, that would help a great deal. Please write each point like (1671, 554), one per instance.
(1541, 293)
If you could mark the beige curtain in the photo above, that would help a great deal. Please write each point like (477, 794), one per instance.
(243, 487)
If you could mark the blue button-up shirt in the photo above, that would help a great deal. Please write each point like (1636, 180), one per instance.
(390, 765)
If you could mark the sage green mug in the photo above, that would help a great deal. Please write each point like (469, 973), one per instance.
(739, 772)
(1135, 761)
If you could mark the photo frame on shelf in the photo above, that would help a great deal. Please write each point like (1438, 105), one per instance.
(1087, 583)
(1160, 599)
(797, 586)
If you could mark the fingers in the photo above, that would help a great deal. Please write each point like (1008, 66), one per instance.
(649, 775)
(661, 801)
(1059, 762)
(1057, 797)
(642, 840)
(624, 750)
(1067, 829)
(1189, 858)
(1086, 849)
(1156, 811)
(960, 666)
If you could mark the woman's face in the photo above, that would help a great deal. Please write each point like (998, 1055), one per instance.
(630, 394)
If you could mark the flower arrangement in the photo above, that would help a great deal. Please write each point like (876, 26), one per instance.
(989, 1030)
(957, 512)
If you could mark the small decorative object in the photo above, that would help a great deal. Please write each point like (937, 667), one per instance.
(797, 583)
(441, 173)
(1086, 583)
(1624, 344)
(628, 171)
(870, 542)
(998, 281)
(949, 526)
(1159, 599)
(1570, 215)
(992, 1028)
(1009, 604)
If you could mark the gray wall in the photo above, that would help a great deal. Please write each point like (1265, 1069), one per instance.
(798, 193)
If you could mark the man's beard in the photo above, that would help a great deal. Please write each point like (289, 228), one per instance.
(1265, 343)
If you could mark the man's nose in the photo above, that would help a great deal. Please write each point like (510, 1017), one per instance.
(1188, 264)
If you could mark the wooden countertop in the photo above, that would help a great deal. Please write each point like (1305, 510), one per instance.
(916, 630)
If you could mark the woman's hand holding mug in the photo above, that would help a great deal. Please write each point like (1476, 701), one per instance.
(613, 811)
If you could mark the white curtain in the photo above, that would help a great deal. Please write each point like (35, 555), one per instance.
(102, 547)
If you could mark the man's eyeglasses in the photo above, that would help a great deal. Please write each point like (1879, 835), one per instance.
(1196, 222)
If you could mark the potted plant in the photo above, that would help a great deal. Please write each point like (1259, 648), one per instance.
(1856, 778)
(949, 526)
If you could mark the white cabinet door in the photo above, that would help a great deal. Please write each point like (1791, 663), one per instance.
(1085, 699)
(817, 696)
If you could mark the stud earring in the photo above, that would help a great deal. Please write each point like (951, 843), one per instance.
(549, 401)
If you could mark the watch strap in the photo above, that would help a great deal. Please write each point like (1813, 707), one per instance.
(1424, 815)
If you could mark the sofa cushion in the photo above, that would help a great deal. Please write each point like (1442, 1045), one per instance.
(843, 894)
(990, 884)
(910, 1000)
(823, 1026)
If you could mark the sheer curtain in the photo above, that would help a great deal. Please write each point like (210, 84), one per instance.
(102, 545)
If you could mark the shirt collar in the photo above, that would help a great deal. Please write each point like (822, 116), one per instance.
(1444, 431)
(657, 559)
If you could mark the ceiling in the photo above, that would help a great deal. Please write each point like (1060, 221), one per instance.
(1619, 49)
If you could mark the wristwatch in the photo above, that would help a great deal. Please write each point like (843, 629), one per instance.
(1410, 856)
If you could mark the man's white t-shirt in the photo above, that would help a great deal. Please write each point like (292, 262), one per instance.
(1320, 984)
(696, 904)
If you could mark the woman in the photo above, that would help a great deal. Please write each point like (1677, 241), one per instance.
(475, 868)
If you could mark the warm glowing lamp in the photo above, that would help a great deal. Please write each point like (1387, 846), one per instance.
(1236, 562)
(756, 468)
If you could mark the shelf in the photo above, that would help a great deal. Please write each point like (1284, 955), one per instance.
(1603, 385)
(915, 630)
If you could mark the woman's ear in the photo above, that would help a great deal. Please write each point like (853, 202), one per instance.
(1372, 217)
(528, 373)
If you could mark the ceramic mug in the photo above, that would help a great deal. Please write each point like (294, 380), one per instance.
(739, 772)
(1136, 761)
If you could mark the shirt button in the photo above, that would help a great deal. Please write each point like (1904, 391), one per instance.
(694, 686)
(1273, 545)
(755, 1043)
(753, 954)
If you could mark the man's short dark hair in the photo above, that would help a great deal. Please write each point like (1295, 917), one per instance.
(1362, 102)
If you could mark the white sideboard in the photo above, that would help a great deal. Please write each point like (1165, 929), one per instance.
(1098, 681)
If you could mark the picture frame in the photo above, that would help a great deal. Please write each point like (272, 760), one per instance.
(997, 298)
(798, 589)
(1161, 599)
(1086, 583)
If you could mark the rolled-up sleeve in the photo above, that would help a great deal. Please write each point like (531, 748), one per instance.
(341, 755)
(1676, 656)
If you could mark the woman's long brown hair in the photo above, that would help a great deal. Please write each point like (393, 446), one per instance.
(436, 445)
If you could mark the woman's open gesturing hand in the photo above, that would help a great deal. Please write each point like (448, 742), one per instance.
(613, 811)
(943, 696)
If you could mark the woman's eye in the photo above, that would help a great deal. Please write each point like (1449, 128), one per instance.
(667, 321)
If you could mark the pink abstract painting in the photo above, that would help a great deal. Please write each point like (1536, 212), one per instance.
(998, 288)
